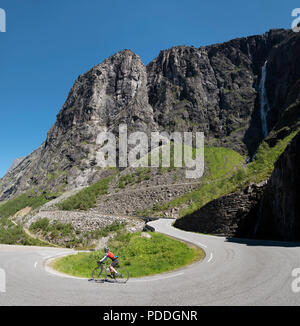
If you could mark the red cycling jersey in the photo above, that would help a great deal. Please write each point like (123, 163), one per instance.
(111, 255)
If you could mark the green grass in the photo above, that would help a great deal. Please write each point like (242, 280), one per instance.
(225, 173)
(56, 229)
(220, 163)
(14, 205)
(3, 202)
(14, 234)
(65, 235)
(104, 232)
(57, 233)
(138, 176)
(140, 255)
(262, 167)
(257, 171)
(87, 197)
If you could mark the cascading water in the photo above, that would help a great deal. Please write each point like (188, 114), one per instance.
(248, 50)
(264, 103)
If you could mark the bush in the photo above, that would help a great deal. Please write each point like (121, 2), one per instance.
(14, 205)
(14, 234)
(55, 229)
(224, 174)
(103, 232)
(87, 197)
(42, 224)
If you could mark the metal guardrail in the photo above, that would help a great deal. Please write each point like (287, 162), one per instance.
(147, 227)
(148, 219)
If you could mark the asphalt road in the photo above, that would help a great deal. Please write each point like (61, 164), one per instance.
(233, 273)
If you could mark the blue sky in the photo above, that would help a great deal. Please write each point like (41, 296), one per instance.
(47, 44)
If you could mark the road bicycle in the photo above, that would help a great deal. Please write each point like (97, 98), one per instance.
(103, 273)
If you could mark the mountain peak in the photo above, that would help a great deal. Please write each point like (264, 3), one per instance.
(212, 89)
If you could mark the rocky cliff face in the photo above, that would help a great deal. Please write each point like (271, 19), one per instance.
(214, 89)
(283, 87)
(15, 163)
(280, 213)
(233, 215)
(111, 93)
(264, 211)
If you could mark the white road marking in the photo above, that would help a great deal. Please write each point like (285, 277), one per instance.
(201, 244)
(146, 279)
(50, 270)
(61, 254)
(210, 258)
(2, 280)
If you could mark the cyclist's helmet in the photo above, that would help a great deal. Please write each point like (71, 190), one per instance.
(106, 249)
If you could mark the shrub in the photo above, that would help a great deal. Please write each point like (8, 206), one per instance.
(87, 197)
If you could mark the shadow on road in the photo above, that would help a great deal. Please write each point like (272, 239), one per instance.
(263, 243)
(102, 281)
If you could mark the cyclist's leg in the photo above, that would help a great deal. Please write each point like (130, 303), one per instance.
(113, 265)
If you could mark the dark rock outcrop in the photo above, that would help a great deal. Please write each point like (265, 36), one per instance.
(214, 89)
(265, 211)
(232, 215)
(280, 214)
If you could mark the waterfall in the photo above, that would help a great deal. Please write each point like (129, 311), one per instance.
(248, 50)
(264, 103)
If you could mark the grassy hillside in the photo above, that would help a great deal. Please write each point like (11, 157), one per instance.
(220, 164)
(64, 234)
(14, 234)
(225, 172)
(87, 197)
(226, 177)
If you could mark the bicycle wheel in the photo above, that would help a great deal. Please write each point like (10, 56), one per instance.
(123, 275)
(98, 273)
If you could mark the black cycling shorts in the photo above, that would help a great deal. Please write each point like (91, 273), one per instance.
(115, 263)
